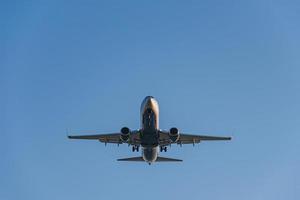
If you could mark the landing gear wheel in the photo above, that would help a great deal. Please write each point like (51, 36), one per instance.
(165, 149)
(135, 148)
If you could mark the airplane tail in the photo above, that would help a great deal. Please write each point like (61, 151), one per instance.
(159, 159)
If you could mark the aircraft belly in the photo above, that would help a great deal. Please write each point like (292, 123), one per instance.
(149, 138)
(150, 154)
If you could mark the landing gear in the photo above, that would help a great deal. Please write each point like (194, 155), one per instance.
(135, 148)
(163, 149)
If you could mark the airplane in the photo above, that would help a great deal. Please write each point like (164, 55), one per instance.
(149, 137)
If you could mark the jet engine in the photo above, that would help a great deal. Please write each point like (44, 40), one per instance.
(174, 134)
(125, 133)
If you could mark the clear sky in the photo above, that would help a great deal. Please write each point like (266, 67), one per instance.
(227, 68)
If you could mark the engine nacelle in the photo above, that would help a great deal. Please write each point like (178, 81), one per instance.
(174, 134)
(125, 133)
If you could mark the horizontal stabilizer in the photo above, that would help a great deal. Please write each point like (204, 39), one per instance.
(159, 159)
(163, 159)
(131, 159)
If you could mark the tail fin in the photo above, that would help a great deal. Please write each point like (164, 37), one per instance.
(163, 159)
(131, 159)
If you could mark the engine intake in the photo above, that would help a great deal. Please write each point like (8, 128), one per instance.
(174, 134)
(125, 133)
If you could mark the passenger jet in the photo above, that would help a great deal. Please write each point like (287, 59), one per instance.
(149, 137)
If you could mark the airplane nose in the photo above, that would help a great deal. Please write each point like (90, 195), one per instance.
(149, 100)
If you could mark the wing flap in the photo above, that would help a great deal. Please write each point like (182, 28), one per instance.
(188, 138)
(194, 139)
(114, 138)
(201, 137)
(105, 138)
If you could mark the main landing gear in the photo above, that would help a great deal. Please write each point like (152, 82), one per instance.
(135, 148)
(163, 149)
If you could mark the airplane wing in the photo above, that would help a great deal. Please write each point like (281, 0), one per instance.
(114, 138)
(192, 139)
(106, 138)
(188, 138)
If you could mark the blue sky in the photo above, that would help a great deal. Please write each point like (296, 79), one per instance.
(220, 68)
